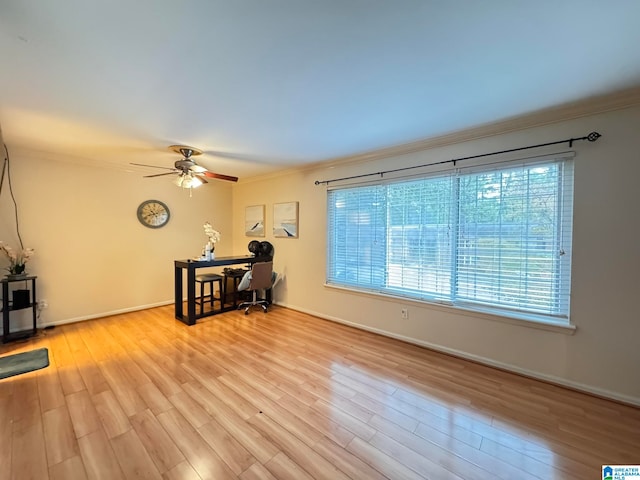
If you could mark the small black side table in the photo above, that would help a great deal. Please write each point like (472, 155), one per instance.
(8, 306)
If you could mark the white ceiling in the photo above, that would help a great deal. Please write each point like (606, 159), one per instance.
(262, 85)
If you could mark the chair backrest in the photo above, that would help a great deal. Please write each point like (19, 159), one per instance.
(261, 275)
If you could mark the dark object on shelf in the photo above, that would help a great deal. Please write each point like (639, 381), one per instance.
(20, 299)
(235, 271)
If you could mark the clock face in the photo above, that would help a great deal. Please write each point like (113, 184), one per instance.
(153, 213)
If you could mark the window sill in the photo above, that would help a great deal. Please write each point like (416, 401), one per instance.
(515, 319)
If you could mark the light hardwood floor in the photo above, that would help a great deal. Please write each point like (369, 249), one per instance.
(286, 395)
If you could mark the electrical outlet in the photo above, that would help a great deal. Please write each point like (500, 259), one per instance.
(405, 313)
(42, 304)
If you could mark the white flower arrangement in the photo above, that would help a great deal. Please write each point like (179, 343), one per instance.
(17, 259)
(214, 235)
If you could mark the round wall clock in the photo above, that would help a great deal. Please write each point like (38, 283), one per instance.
(153, 213)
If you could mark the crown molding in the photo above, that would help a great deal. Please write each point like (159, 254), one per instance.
(560, 113)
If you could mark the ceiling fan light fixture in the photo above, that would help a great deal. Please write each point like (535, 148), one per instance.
(186, 180)
(194, 182)
(178, 180)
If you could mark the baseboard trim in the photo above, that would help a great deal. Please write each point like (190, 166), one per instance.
(105, 314)
(580, 387)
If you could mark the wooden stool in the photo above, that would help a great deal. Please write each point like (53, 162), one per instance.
(210, 278)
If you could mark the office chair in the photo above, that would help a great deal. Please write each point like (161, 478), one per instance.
(261, 273)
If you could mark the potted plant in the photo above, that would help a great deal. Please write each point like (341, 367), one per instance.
(17, 259)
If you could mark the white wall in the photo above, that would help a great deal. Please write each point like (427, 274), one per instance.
(93, 257)
(602, 356)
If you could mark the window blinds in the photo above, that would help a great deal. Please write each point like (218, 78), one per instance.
(496, 237)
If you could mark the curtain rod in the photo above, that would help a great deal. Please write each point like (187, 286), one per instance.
(592, 137)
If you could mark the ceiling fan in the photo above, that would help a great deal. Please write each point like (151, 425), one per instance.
(190, 174)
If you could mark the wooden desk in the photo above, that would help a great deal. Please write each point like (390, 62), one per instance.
(191, 266)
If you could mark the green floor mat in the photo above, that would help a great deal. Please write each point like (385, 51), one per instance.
(23, 362)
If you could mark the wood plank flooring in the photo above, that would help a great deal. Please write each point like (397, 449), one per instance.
(288, 396)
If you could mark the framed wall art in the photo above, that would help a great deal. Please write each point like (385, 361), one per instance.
(285, 220)
(254, 221)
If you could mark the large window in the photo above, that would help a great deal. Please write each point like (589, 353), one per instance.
(490, 239)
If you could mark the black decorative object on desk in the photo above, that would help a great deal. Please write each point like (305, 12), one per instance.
(266, 249)
(254, 247)
(261, 249)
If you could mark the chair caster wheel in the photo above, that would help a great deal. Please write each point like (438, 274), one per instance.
(246, 313)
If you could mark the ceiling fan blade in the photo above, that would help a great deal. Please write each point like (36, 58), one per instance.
(159, 174)
(220, 176)
(152, 166)
(201, 178)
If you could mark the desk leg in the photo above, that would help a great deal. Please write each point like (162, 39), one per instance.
(5, 312)
(178, 293)
(34, 306)
(191, 296)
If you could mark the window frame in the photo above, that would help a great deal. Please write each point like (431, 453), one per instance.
(563, 229)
